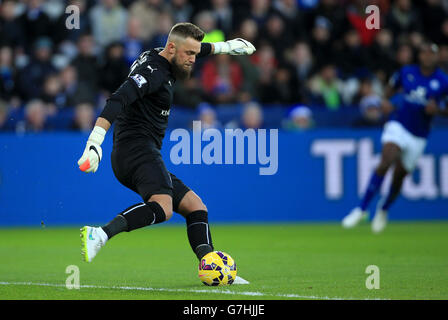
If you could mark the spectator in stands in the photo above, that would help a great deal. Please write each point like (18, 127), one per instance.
(404, 56)
(31, 78)
(432, 18)
(326, 88)
(302, 68)
(368, 86)
(35, 23)
(147, 12)
(182, 10)
(86, 62)
(352, 57)
(223, 15)
(371, 114)
(4, 111)
(265, 61)
(300, 118)
(280, 90)
(251, 117)
(207, 116)
(11, 30)
(52, 94)
(289, 11)
(84, 118)
(133, 45)
(163, 29)
(260, 11)
(207, 23)
(109, 20)
(334, 15)
(382, 54)
(35, 117)
(302, 61)
(73, 91)
(444, 27)
(415, 39)
(320, 42)
(443, 58)
(7, 74)
(403, 19)
(222, 78)
(114, 69)
(249, 30)
(277, 35)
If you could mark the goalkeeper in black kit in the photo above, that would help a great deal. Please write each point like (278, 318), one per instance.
(140, 108)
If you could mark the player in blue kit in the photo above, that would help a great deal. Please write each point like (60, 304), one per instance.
(422, 89)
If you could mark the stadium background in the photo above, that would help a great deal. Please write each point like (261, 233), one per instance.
(318, 75)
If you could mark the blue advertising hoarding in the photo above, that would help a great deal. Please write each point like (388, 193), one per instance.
(316, 175)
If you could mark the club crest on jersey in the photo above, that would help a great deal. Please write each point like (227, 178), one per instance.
(139, 80)
(165, 113)
(434, 84)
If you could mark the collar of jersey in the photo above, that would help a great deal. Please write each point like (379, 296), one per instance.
(163, 61)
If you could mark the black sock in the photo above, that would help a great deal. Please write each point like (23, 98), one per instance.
(198, 232)
(117, 225)
(135, 217)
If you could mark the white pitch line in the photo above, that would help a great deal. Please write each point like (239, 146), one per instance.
(224, 291)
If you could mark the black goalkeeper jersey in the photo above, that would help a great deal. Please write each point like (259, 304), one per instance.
(147, 117)
(145, 99)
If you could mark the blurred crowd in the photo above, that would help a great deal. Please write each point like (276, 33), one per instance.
(310, 54)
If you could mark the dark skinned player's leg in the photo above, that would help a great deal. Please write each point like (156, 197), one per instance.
(389, 156)
(196, 216)
(399, 174)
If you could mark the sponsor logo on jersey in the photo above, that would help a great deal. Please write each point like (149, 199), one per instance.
(151, 68)
(417, 96)
(165, 113)
(139, 80)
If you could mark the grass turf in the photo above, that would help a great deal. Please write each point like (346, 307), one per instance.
(305, 261)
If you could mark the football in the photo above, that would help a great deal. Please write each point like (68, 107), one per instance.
(217, 268)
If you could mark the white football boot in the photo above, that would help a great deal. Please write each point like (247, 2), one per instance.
(92, 239)
(354, 218)
(379, 221)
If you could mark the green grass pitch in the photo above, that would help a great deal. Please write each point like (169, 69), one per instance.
(281, 261)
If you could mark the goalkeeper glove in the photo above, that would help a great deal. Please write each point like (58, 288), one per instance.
(92, 153)
(236, 46)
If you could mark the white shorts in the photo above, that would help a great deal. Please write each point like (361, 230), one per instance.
(411, 146)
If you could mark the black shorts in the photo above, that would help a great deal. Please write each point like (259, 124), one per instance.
(139, 167)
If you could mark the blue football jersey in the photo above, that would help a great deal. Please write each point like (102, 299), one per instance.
(418, 89)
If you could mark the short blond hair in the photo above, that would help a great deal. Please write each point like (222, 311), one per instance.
(184, 30)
